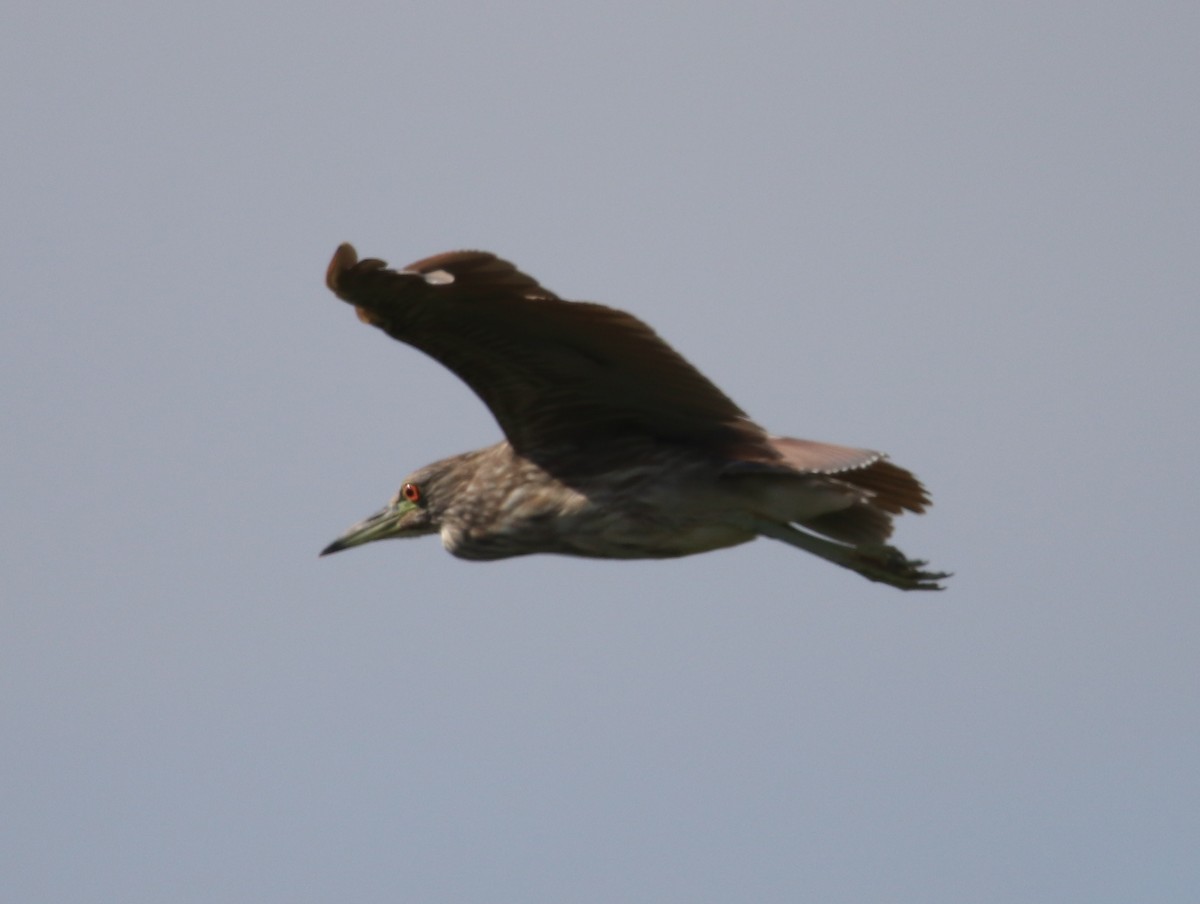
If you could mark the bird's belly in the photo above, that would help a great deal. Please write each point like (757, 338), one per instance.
(596, 530)
(669, 542)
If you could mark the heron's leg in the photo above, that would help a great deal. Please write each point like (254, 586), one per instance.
(885, 564)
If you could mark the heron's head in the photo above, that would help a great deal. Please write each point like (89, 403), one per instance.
(412, 512)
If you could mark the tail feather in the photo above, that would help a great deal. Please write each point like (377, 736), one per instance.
(891, 487)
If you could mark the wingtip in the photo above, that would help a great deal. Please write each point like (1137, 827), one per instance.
(343, 259)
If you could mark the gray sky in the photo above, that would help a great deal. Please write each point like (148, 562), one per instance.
(963, 233)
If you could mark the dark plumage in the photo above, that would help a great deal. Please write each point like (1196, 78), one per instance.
(615, 446)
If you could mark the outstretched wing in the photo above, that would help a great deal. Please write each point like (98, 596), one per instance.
(552, 372)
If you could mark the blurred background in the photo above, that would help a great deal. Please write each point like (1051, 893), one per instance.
(964, 233)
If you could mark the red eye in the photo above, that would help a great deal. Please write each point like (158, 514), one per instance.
(411, 492)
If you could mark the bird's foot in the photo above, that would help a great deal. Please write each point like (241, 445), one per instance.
(888, 565)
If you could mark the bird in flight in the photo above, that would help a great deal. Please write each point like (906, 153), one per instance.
(614, 445)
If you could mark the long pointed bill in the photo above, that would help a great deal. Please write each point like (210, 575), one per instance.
(383, 524)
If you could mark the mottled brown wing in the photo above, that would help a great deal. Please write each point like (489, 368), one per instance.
(551, 371)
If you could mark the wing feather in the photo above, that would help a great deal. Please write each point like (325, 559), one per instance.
(557, 372)
(552, 372)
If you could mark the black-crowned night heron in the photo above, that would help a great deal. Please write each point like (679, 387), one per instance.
(616, 447)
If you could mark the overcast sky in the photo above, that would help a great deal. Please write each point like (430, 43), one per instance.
(967, 234)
